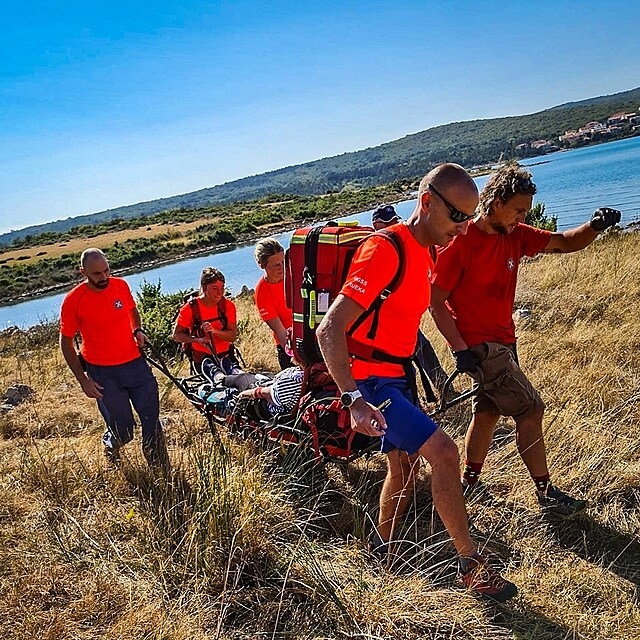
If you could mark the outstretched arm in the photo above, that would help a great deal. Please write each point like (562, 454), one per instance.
(582, 236)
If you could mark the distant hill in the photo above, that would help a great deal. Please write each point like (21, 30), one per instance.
(469, 143)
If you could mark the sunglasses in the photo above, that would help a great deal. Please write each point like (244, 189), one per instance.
(525, 185)
(454, 214)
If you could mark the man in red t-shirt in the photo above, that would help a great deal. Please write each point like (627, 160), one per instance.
(269, 295)
(367, 383)
(474, 286)
(110, 367)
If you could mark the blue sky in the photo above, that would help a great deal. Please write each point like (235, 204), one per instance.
(109, 103)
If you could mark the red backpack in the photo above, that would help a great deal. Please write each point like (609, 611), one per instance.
(316, 266)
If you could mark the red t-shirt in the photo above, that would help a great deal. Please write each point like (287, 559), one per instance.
(103, 320)
(270, 300)
(372, 269)
(208, 314)
(480, 271)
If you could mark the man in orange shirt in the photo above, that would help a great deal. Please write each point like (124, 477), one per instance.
(110, 367)
(269, 296)
(367, 383)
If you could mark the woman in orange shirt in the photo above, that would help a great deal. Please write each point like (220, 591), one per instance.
(269, 296)
(208, 325)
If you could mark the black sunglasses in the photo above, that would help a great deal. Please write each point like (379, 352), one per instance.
(456, 216)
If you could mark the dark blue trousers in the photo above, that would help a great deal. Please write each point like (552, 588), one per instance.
(131, 383)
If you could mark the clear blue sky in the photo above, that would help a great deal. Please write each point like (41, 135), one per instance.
(104, 104)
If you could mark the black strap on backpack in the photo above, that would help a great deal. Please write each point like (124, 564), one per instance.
(196, 323)
(363, 352)
(309, 343)
(385, 293)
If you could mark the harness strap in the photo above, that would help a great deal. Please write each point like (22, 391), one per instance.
(375, 306)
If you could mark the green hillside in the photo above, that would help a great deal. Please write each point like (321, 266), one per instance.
(468, 143)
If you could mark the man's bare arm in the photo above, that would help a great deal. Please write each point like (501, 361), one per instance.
(444, 320)
(582, 236)
(332, 338)
(571, 240)
(91, 388)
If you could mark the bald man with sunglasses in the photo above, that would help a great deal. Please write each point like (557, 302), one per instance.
(368, 384)
(473, 293)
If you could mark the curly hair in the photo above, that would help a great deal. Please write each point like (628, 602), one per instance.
(266, 248)
(209, 276)
(508, 181)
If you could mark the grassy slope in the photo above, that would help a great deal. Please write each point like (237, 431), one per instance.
(234, 550)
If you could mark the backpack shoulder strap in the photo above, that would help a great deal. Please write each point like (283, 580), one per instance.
(386, 292)
(222, 313)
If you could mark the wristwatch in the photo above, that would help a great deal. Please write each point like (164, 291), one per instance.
(349, 397)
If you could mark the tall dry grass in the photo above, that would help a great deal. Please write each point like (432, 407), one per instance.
(236, 544)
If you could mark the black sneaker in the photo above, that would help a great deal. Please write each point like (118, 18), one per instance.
(378, 547)
(478, 493)
(112, 455)
(485, 581)
(557, 503)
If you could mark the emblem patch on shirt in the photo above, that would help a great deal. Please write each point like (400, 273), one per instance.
(511, 264)
(118, 303)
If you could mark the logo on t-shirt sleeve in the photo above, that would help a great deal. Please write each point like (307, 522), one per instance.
(117, 303)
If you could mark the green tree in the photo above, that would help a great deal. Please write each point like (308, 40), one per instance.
(538, 218)
(158, 312)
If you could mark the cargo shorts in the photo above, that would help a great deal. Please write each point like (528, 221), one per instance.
(506, 390)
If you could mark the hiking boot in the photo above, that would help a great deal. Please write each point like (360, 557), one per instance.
(557, 503)
(478, 493)
(112, 455)
(378, 547)
(485, 581)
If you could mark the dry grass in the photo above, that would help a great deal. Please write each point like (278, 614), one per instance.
(233, 546)
(30, 255)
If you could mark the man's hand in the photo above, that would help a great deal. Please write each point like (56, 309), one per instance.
(141, 338)
(91, 388)
(466, 361)
(366, 419)
(604, 218)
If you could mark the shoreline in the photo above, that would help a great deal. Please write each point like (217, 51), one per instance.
(274, 229)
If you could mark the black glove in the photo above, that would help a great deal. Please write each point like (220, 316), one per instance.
(466, 361)
(604, 218)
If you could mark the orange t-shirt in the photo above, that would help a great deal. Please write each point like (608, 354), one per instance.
(372, 269)
(270, 300)
(103, 320)
(208, 314)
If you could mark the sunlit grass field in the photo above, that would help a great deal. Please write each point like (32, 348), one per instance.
(239, 544)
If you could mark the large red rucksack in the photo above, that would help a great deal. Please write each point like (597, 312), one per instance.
(316, 266)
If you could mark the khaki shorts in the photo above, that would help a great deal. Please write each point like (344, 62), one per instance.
(506, 391)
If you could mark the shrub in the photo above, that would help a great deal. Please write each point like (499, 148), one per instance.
(538, 218)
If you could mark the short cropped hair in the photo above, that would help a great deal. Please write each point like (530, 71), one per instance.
(209, 276)
(266, 248)
(510, 180)
(88, 254)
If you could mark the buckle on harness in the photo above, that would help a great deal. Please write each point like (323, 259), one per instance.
(385, 293)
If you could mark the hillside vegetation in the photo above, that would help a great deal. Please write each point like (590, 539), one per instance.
(237, 546)
(51, 260)
(470, 143)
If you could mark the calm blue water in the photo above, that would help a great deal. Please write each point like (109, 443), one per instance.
(572, 184)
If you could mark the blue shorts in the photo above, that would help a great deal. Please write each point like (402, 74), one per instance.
(408, 428)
